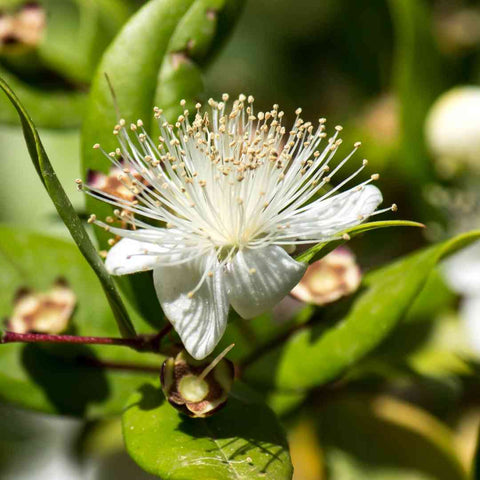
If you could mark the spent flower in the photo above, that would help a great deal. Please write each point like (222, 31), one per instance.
(229, 193)
(332, 277)
(197, 388)
(43, 312)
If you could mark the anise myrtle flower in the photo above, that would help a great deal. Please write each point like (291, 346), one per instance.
(230, 193)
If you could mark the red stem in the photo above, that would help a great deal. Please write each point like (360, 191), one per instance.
(149, 343)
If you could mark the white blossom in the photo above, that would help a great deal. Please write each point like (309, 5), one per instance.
(220, 202)
(462, 273)
(453, 130)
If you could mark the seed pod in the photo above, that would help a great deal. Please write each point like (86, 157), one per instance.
(197, 388)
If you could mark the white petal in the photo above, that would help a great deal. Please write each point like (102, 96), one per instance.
(131, 256)
(200, 320)
(470, 312)
(462, 270)
(257, 279)
(326, 218)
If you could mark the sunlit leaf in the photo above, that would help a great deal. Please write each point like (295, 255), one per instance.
(321, 249)
(382, 301)
(242, 441)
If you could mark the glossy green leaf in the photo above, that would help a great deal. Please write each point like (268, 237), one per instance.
(321, 249)
(242, 441)
(67, 213)
(193, 43)
(382, 301)
(63, 379)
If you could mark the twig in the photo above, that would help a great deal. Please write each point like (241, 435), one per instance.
(142, 343)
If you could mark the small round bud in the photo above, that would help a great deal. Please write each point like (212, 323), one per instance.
(197, 388)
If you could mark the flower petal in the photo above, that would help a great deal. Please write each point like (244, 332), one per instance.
(324, 219)
(131, 256)
(257, 279)
(470, 312)
(201, 319)
(462, 270)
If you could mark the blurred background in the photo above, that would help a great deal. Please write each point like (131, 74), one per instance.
(403, 77)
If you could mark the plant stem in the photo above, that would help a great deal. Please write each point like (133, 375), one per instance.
(143, 343)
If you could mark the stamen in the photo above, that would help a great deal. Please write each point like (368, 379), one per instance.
(226, 179)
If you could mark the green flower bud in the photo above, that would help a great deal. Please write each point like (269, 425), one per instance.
(197, 388)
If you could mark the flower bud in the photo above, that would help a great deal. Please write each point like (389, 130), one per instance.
(334, 276)
(197, 388)
(44, 312)
(453, 130)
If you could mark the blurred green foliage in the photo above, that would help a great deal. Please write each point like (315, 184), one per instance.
(406, 409)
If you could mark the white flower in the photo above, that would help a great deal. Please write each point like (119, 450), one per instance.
(462, 273)
(453, 129)
(228, 195)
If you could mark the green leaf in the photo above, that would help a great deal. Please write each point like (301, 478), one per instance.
(67, 213)
(193, 43)
(382, 301)
(321, 249)
(63, 378)
(242, 441)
